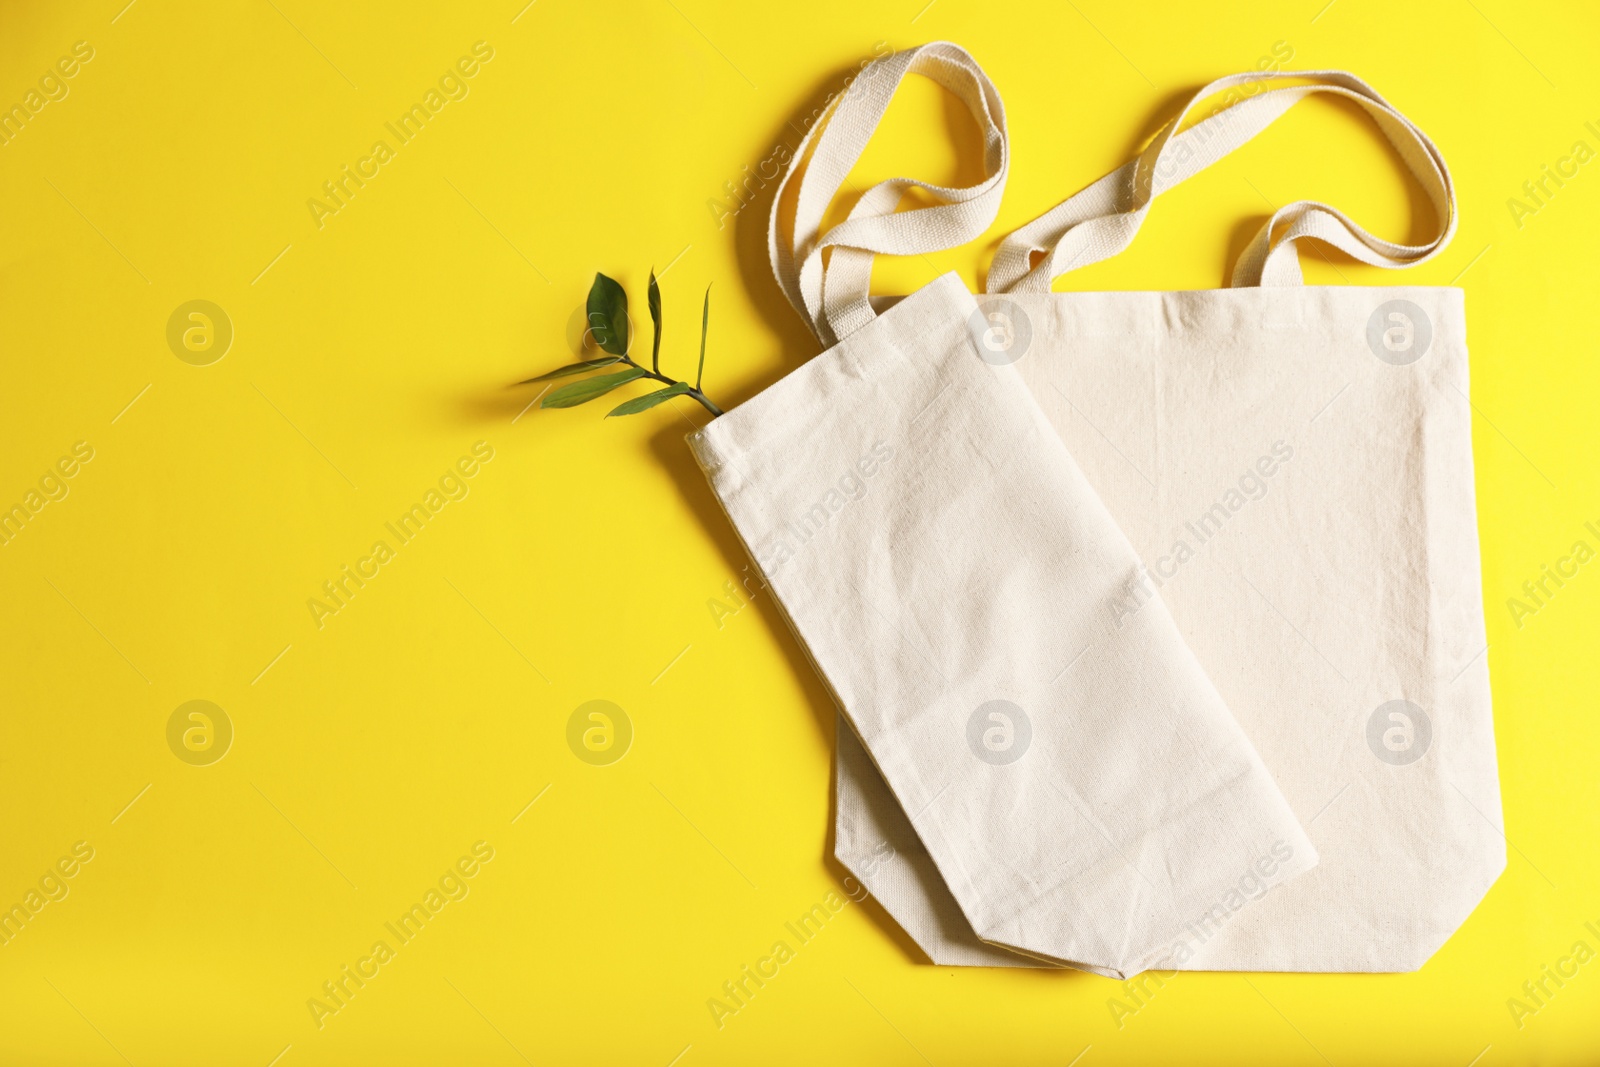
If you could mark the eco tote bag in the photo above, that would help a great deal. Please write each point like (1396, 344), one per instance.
(958, 583)
(1293, 466)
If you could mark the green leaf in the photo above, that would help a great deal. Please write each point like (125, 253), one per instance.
(705, 319)
(649, 400)
(608, 315)
(655, 317)
(574, 368)
(570, 396)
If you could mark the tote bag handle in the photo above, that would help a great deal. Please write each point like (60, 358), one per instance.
(834, 301)
(1102, 219)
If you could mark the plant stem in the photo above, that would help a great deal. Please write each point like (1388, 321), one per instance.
(694, 391)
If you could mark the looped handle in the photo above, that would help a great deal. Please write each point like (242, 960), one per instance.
(1103, 219)
(833, 299)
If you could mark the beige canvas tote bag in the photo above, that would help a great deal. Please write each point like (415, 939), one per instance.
(1075, 777)
(1294, 467)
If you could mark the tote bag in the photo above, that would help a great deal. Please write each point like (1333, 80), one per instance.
(959, 586)
(1294, 467)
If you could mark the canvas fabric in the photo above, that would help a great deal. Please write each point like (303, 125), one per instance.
(1135, 605)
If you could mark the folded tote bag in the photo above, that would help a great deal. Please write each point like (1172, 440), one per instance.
(1293, 466)
(1073, 774)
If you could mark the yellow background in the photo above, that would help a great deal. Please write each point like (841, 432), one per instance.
(370, 353)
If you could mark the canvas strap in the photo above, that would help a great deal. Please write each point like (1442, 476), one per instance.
(1102, 219)
(833, 298)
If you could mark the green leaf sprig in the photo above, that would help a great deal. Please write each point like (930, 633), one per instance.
(607, 312)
